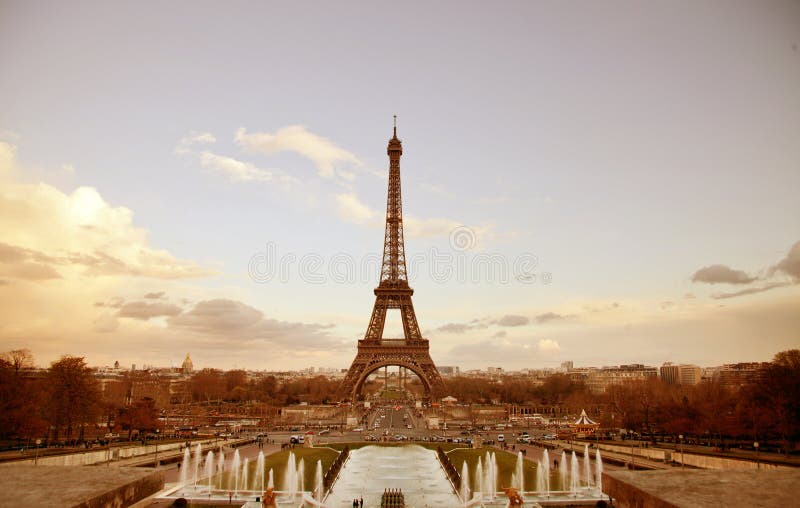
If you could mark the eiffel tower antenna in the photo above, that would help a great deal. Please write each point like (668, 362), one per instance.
(393, 292)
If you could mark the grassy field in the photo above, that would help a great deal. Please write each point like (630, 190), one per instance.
(432, 446)
(277, 462)
(506, 465)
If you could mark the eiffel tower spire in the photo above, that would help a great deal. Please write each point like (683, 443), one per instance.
(393, 268)
(393, 292)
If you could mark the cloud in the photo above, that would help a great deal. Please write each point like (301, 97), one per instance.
(233, 320)
(78, 234)
(749, 291)
(454, 328)
(194, 138)
(548, 345)
(237, 170)
(716, 274)
(790, 265)
(351, 209)
(145, 310)
(68, 168)
(513, 320)
(550, 316)
(323, 153)
(8, 154)
(499, 334)
(19, 263)
(154, 296)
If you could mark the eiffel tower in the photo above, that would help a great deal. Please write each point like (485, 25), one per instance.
(374, 351)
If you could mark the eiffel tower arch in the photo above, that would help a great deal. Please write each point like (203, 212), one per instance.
(411, 352)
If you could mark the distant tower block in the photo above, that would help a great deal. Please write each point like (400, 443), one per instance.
(374, 351)
(187, 366)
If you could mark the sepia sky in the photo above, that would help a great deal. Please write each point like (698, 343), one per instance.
(603, 182)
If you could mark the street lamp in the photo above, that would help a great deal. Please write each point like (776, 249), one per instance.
(681, 439)
(36, 455)
(758, 461)
(157, 448)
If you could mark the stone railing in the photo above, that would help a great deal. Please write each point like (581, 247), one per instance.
(449, 468)
(333, 471)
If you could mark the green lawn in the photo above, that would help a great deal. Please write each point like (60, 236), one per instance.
(506, 465)
(277, 462)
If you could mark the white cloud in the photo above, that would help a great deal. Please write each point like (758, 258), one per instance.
(234, 168)
(548, 345)
(78, 234)
(194, 138)
(351, 209)
(68, 168)
(326, 156)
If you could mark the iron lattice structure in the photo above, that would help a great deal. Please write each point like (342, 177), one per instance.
(393, 292)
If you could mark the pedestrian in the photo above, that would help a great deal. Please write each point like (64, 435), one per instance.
(361, 502)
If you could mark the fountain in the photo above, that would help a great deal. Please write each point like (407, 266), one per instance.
(259, 476)
(563, 475)
(215, 480)
(546, 470)
(221, 467)
(210, 468)
(520, 472)
(290, 476)
(245, 470)
(598, 468)
(198, 452)
(301, 476)
(187, 457)
(587, 467)
(235, 467)
(574, 475)
(319, 488)
(464, 482)
(540, 483)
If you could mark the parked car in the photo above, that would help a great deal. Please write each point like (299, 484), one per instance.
(357, 429)
(500, 438)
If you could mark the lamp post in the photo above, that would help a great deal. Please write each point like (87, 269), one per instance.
(36, 455)
(157, 448)
(681, 439)
(758, 461)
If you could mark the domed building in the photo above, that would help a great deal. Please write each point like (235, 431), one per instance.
(187, 366)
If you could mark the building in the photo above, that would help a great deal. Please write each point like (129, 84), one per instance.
(567, 366)
(691, 374)
(670, 373)
(449, 370)
(735, 375)
(599, 380)
(680, 374)
(187, 366)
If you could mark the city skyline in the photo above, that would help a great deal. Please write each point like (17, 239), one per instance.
(578, 184)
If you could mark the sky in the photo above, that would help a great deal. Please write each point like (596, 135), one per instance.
(601, 182)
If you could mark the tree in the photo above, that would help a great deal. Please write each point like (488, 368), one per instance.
(780, 394)
(208, 385)
(19, 359)
(141, 416)
(73, 398)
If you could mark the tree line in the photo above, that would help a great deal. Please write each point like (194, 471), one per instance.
(62, 401)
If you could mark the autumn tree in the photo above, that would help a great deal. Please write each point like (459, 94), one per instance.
(73, 398)
(780, 395)
(208, 385)
(141, 416)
